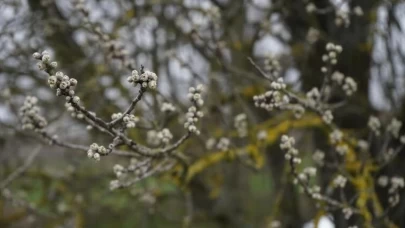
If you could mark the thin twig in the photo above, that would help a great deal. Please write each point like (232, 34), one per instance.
(130, 108)
(20, 170)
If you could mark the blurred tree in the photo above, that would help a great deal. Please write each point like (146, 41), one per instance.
(218, 178)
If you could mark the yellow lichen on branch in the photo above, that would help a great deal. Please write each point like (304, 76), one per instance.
(361, 176)
(273, 128)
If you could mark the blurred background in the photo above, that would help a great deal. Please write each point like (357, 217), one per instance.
(188, 42)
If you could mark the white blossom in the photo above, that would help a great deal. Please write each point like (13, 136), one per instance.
(167, 107)
(335, 136)
(338, 77)
(192, 118)
(194, 114)
(350, 86)
(147, 80)
(116, 116)
(402, 139)
(394, 127)
(151, 138)
(394, 199)
(347, 212)
(287, 144)
(165, 135)
(210, 143)
(76, 99)
(358, 11)
(223, 144)
(274, 98)
(118, 170)
(374, 124)
(298, 110)
(314, 94)
(327, 117)
(310, 7)
(261, 135)
(272, 66)
(383, 181)
(114, 184)
(195, 95)
(363, 145)
(396, 183)
(129, 120)
(95, 151)
(318, 157)
(310, 171)
(340, 181)
(342, 149)
(342, 18)
(29, 114)
(240, 123)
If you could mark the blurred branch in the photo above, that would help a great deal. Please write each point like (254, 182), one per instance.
(20, 170)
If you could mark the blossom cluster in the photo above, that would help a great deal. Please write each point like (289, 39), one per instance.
(194, 94)
(133, 172)
(307, 173)
(129, 120)
(394, 127)
(274, 98)
(113, 48)
(63, 84)
(342, 18)
(210, 143)
(95, 151)
(223, 144)
(333, 50)
(272, 66)
(45, 61)
(214, 13)
(313, 96)
(291, 153)
(302, 178)
(167, 107)
(192, 117)
(29, 114)
(155, 138)
(342, 15)
(74, 113)
(397, 183)
(136, 166)
(342, 149)
(310, 7)
(261, 135)
(297, 109)
(336, 136)
(118, 170)
(347, 212)
(319, 156)
(340, 181)
(363, 145)
(374, 124)
(240, 123)
(327, 116)
(194, 114)
(358, 11)
(165, 135)
(147, 79)
(151, 138)
(348, 85)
